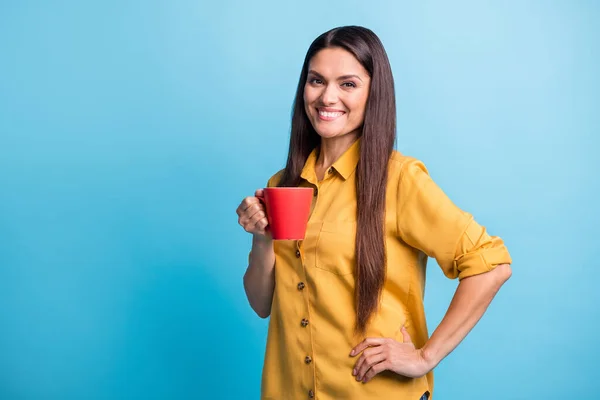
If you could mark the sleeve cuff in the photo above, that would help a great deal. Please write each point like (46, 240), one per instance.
(482, 261)
(479, 252)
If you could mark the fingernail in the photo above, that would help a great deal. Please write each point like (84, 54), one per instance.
(354, 371)
(352, 353)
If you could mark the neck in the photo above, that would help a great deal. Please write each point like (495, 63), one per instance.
(332, 148)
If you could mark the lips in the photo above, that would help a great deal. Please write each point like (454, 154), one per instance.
(329, 114)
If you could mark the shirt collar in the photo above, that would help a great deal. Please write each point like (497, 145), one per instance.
(345, 165)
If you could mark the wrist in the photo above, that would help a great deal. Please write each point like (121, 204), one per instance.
(429, 357)
(262, 242)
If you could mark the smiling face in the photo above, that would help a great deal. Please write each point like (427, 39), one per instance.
(336, 93)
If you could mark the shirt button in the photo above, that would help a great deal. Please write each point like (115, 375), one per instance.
(297, 253)
(301, 286)
(311, 394)
(304, 322)
(307, 360)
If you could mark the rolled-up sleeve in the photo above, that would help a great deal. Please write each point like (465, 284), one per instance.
(429, 221)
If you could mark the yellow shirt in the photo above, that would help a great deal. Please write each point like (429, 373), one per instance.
(311, 330)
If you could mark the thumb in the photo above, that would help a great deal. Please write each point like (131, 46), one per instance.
(405, 336)
(259, 192)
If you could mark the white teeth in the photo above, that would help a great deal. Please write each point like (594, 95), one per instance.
(330, 114)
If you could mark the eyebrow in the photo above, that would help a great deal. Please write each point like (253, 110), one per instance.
(318, 75)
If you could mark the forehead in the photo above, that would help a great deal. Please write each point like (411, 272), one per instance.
(336, 62)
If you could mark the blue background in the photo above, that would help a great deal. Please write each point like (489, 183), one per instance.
(131, 130)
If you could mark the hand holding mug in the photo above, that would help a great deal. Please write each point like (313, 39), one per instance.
(252, 215)
(277, 213)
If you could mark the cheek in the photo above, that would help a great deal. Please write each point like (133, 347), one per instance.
(309, 95)
(363, 103)
(358, 109)
(307, 107)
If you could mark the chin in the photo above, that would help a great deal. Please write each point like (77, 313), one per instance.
(328, 135)
(328, 132)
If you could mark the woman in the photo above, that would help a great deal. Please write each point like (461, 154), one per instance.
(346, 303)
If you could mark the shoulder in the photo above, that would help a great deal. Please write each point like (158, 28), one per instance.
(401, 166)
(275, 179)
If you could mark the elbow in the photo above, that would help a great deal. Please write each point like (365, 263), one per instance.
(253, 301)
(264, 314)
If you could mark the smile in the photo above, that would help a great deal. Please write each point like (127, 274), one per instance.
(329, 115)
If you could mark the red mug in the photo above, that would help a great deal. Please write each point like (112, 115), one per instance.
(288, 209)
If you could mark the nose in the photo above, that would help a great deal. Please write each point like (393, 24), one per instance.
(329, 95)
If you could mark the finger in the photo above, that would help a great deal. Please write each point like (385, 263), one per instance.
(259, 193)
(367, 343)
(243, 206)
(256, 217)
(247, 202)
(261, 224)
(239, 210)
(405, 336)
(253, 210)
(246, 217)
(375, 369)
(370, 361)
(361, 360)
(256, 224)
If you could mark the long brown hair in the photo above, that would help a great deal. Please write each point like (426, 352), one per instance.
(378, 137)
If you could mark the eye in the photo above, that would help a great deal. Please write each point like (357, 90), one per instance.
(315, 81)
(349, 84)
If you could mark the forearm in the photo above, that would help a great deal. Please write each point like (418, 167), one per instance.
(473, 295)
(259, 279)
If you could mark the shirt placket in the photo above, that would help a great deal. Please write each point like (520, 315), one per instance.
(305, 324)
(305, 335)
